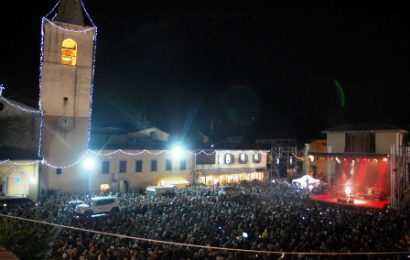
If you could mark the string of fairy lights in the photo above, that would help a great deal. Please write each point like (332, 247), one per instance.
(46, 20)
(129, 153)
(101, 153)
(49, 19)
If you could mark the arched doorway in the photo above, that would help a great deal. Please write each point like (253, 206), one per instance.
(18, 183)
(123, 186)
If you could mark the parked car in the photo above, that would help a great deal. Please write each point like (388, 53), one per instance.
(99, 205)
(165, 190)
(74, 203)
(230, 191)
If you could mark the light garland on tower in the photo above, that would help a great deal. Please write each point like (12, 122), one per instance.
(66, 29)
(92, 80)
(44, 20)
(40, 80)
(88, 16)
(52, 10)
(51, 22)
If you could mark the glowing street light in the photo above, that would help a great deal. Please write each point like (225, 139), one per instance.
(88, 163)
(177, 152)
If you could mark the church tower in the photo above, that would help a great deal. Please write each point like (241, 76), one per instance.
(66, 83)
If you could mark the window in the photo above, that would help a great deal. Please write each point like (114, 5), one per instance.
(168, 165)
(220, 159)
(59, 171)
(105, 167)
(256, 157)
(123, 166)
(69, 52)
(182, 165)
(138, 166)
(206, 157)
(228, 158)
(154, 165)
(360, 143)
(243, 158)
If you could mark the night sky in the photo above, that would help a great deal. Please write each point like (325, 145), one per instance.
(236, 67)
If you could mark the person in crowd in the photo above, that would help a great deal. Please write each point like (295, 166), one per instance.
(266, 216)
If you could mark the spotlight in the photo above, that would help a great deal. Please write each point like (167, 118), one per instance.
(348, 190)
(177, 152)
(88, 163)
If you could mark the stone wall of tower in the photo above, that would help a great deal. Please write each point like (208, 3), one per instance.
(59, 80)
(65, 93)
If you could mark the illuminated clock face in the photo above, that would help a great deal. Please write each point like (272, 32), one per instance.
(65, 122)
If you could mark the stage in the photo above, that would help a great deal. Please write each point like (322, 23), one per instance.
(358, 201)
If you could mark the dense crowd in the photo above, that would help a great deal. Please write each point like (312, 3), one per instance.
(265, 216)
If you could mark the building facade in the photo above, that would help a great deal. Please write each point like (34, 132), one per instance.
(19, 141)
(66, 81)
(49, 148)
(363, 157)
(230, 166)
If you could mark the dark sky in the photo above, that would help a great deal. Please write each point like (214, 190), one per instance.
(266, 70)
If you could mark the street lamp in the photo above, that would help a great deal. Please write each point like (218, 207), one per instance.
(177, 152)
(88, 165)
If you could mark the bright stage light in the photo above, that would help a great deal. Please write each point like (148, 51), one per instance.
(348, 190)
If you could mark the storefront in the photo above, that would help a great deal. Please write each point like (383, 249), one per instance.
(229, 176)
(177, 181)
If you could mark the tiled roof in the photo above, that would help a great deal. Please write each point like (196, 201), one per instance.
(130, 144)
(364, 127)
(11, 153)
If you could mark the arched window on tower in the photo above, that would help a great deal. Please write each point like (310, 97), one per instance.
(69, 52)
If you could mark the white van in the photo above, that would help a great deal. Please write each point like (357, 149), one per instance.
(99, 205)
(230, 191)
(160, 190)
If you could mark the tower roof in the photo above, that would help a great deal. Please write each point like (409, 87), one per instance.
(70, 11)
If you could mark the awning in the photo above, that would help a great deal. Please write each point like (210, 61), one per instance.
(219, 171)
(174, 180)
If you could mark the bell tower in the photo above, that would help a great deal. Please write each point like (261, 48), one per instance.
(66, 83)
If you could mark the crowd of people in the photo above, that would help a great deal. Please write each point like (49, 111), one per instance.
(265, 217)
